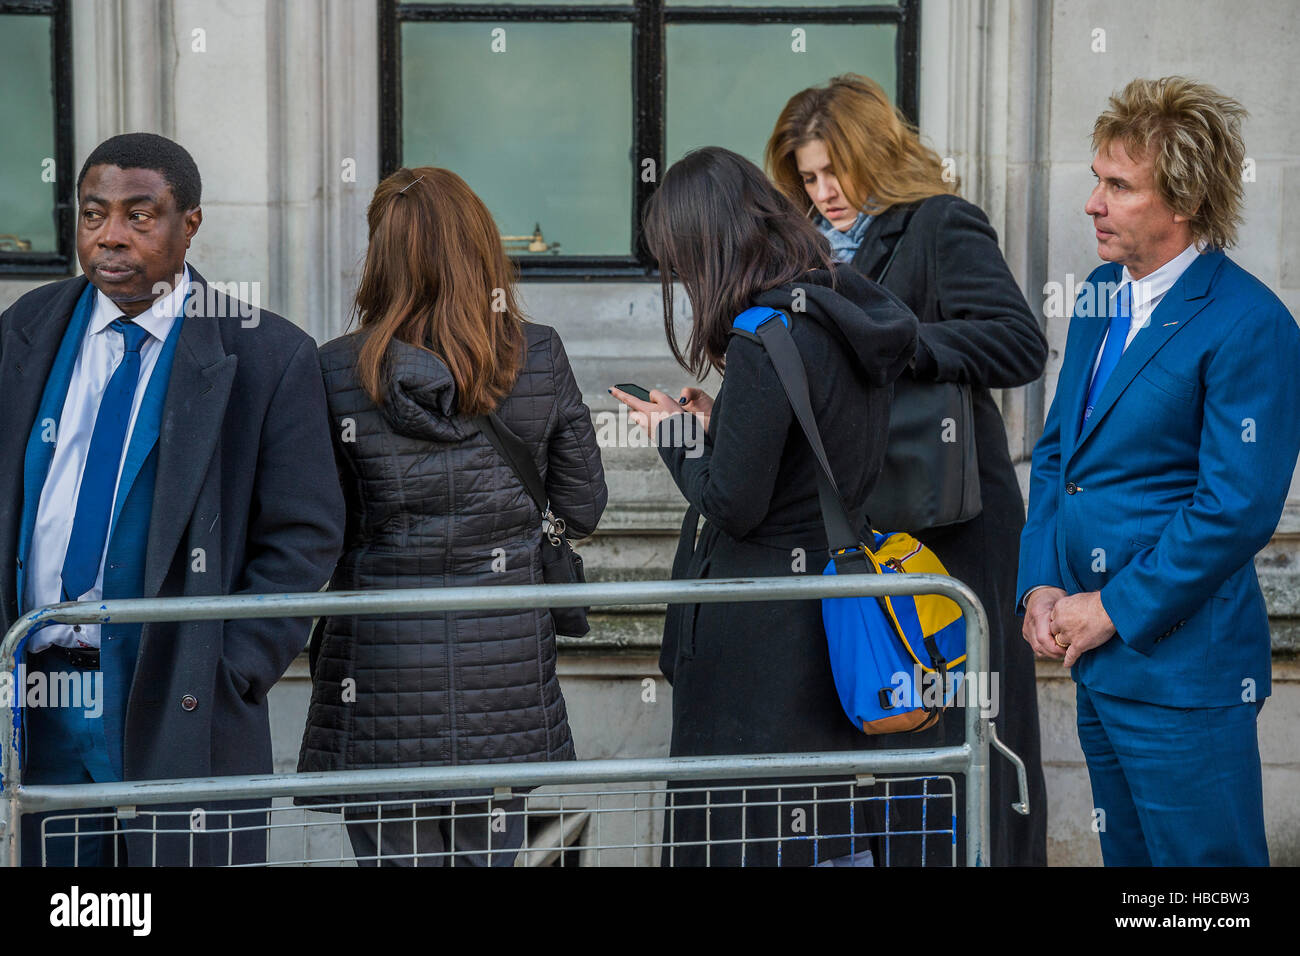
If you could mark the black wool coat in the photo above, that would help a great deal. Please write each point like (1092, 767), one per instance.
(755, 677)
(245, 472)
(431, 503)
(976, 328)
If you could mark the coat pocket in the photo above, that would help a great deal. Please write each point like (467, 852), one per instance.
(1171, 385)
(238, 684)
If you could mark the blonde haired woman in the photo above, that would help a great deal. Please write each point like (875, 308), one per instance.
(889, 205)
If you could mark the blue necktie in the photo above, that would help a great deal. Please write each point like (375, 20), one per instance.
(99, 476)
(1116, 338)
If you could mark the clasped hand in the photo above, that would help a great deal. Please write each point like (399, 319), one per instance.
(1065, 626)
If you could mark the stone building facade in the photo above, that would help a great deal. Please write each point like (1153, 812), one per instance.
(286, 92)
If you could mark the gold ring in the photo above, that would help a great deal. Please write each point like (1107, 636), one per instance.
(1058, 642)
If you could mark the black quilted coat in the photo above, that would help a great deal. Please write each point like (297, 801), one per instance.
(431, 504)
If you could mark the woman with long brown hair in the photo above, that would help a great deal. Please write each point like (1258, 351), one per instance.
(431, 503)
(755, 677)
(889, 205)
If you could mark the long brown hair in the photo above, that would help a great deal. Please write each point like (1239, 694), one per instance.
(437, 277)
(877, 154)
(721, 226)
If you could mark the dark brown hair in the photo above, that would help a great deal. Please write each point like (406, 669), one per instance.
(727, 233)
(437, 277)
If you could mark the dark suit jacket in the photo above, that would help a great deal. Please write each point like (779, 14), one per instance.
(246, 473)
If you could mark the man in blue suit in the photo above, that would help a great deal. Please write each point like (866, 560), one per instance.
(1163, 469)
(161, 439)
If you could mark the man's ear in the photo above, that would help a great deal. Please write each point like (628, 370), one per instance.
(193, 219)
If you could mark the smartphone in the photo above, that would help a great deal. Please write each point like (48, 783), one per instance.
(636, 391)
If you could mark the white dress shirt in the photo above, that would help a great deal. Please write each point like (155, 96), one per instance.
(101, 352)
(1147, 294)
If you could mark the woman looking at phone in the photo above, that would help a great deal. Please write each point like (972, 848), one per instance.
(755, 677)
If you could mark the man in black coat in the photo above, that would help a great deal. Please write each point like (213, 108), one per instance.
(162, 439)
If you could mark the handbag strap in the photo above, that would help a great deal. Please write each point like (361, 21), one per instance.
(516, 454)
(770, 325)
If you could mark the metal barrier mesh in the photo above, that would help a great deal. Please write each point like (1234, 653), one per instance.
(850, 821)
(725, 810)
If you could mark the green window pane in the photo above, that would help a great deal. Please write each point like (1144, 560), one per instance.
(27, 189)
(727, 83)
(779, 3)
(542, 131)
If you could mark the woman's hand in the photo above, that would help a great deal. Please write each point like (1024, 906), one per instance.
(699, 403)
(649, 414)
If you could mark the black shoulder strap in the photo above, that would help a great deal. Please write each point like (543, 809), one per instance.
(775, 337)
(516, 454)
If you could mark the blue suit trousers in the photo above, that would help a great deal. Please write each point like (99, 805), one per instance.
(1176, 786)
(67, 745)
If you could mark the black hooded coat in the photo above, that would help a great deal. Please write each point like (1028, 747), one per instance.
(756, 677)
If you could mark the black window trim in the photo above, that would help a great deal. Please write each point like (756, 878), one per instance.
(648, 19)
(61, 261)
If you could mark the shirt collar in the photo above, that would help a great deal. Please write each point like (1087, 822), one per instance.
(1153, 287)
(157, 320)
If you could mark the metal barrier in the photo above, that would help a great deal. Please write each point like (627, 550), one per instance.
(501, 798)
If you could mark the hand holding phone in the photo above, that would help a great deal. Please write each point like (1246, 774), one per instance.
(636, 391)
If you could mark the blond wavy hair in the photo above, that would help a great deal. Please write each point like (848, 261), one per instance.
(876, 152)
(1192, 132)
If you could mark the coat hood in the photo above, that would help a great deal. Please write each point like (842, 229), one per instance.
(420, 401)
(877, 330)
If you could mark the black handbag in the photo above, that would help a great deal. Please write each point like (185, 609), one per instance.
(560, 563)
(930, 476)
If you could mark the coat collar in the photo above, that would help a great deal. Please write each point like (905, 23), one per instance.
(879, 238)
(193, 413)
(1181, 304)
(31, 343)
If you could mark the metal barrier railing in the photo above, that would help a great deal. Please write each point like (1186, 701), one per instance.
(502, 780)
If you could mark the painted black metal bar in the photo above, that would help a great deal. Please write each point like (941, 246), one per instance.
(907, 45)
(555, 13)
(648, 103)
(390, 89)
(30, 6)
(509, 12)
(65, 203)
(724, 14)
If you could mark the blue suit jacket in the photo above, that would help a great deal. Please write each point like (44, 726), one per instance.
(1162, 499)
(129, 531)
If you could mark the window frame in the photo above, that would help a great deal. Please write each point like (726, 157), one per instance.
(649, 19)
(59, 262)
